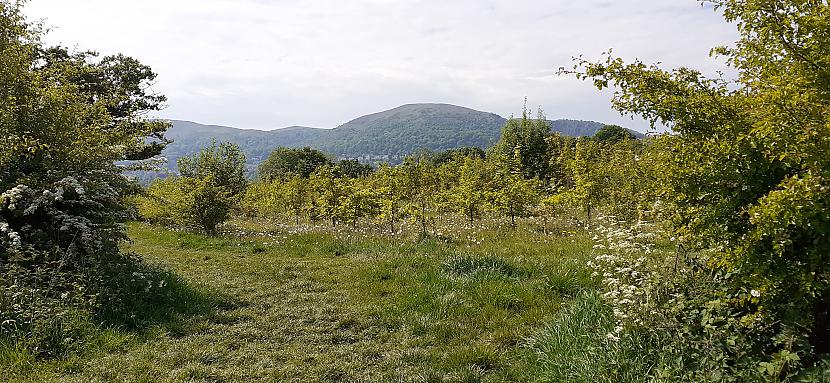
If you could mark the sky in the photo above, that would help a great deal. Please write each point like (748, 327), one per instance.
(266, 64)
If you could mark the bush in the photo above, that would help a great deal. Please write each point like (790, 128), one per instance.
(682, 316)
(60, 267)
(65, 121)
(190, 203)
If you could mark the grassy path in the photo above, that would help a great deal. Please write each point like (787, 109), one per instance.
(312, 307)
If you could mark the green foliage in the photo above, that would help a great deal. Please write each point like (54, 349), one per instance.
(120, 84)
(284, 163)
(613, 133)
(65, 121)
(525, 140)
(330, 193)
(419, 183)
(353, 169)
(191, 203)
(513, 195)
(469, 193)
(390, 189)
(745, 172)
(222, 164)
(442, 157)
(211, 183)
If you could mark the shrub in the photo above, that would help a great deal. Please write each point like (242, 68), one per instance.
(65, 121)
(190, 203)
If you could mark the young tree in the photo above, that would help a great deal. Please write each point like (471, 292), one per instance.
(211, 182)
(525, 140)
(387, 183)
(263, 199)
(223, 164)
(588, 174)
(512, 194)
(330, 191)
(358, 202)
(419, 183)
(470, 194)
(295, 195)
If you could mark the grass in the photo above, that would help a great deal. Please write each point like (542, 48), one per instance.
(269, 305)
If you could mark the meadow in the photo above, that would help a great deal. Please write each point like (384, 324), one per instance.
(699, 254)
(259, 304)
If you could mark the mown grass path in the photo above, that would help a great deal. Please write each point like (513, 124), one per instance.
(322, 307)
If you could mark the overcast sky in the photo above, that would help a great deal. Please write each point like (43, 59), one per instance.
(266, 64)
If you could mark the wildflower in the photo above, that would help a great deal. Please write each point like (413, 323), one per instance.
(755, 293)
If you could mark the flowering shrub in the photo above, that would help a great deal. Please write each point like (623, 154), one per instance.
(69, 123)
(59, 262)
(747, 170)
(622, 261)
(689, 319)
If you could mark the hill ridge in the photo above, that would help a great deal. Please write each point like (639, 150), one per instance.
(387, 135)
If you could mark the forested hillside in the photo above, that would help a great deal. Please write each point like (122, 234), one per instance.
(385, 136)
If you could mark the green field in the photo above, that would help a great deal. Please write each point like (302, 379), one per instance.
(271, 306)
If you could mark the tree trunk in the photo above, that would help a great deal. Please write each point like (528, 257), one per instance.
(423, 220)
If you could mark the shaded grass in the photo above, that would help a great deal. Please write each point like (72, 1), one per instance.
(270, 306)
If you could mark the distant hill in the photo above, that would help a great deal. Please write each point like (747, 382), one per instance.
(384, 136)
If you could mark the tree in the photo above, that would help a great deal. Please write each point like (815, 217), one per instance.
(264, 199)
(223, 164)
(283, 163)
(419, 181)
(121, 85)
(329, 191)
(512, 194)
(353, 169)
(62, 193)
(439, 158)
(470, 194)
(210, 184)
(358, 202)
(588, 174)
(387, 181)
(525, 140)
(613, 133)
(295, 195)
(747, 165)
(192, 203)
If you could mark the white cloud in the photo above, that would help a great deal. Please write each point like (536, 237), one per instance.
(273, 63)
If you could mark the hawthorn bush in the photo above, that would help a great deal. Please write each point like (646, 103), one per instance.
(65, 121)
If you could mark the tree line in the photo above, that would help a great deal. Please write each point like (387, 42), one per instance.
(530, 172)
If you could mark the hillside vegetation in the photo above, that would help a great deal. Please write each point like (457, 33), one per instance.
(385, 136)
